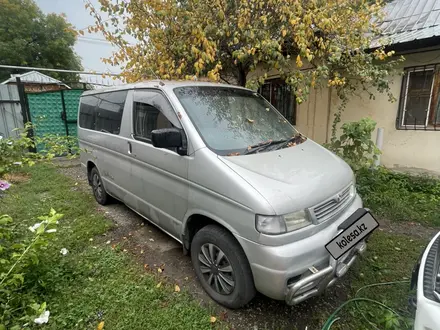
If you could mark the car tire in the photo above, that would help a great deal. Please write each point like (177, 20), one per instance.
(229, 280)
(99, 192)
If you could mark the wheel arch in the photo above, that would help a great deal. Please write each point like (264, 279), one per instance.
(90, 166)
(197, 220)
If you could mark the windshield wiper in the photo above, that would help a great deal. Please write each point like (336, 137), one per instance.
(279, 144)
(297, 139)
(261, 146)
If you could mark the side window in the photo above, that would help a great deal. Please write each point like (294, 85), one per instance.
(109, 112)
(151, 110)
(87, 111)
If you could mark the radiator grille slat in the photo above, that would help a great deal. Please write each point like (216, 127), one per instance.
(333, 206)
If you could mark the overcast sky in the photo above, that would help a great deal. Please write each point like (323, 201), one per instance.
(92, 47)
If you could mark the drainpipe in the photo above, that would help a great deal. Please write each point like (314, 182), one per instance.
(379, 145)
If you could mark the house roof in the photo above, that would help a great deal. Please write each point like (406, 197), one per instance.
(34, 77)
(410, 20)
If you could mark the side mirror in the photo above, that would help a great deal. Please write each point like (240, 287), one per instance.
(168, 138)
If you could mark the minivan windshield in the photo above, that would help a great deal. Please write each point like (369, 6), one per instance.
(230, 120)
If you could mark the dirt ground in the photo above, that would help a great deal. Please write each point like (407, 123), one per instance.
(152, 248)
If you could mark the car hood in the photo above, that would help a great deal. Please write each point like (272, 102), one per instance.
(293, 178)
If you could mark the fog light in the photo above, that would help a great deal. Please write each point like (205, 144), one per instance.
(341, 269)
(362, 247)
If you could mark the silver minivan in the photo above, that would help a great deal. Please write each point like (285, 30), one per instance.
(258, 206)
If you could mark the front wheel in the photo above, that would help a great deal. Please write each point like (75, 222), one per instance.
(222, 267)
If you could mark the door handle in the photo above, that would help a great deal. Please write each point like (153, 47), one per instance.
(129, 148)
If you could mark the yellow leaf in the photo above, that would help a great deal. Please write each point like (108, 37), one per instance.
(299, 63)
(159, 285)
(176, 288)
(100, 326)
(212, 319)
(283, 33)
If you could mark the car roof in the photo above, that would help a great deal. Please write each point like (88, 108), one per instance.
(159, 84)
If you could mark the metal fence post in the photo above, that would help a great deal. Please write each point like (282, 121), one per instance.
(25, 112)
(64, 113)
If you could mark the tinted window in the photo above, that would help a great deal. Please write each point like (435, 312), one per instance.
(109, 112)
(102, 112)
(151, 111)
(87, 111)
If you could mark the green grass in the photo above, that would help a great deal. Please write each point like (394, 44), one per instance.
(94, 282)
(400, 197)
(389, 258)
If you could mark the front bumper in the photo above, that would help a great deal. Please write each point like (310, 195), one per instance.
(320, 280)
(301, 269)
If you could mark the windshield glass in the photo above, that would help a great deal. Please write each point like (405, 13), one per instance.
(230, 120)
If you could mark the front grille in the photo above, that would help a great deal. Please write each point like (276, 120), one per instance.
(431, 276)
(331, 207)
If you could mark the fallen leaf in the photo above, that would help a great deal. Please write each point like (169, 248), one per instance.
(396, 248)
(151, 240)
(159, 270)
(76, 183)
(125, 250)
(91, 239)
(108, 242)
(100, 326)
(212, 319)
(142, 251)
(223, 316)
(159, 285)
(186, 278)
(176, 288)
(146, 266)
(250, 120)
(234, 154)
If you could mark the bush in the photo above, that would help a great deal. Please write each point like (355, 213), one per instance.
(399, 196)
(17, 255)
(355, 145)
(15, 151)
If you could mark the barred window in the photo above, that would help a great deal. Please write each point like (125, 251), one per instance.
(279, 94)
(419, 100)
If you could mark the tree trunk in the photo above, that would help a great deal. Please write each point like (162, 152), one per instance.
(241, 79)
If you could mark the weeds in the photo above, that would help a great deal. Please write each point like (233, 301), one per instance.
(400, 197)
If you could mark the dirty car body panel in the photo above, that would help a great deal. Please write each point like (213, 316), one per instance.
(281, 202)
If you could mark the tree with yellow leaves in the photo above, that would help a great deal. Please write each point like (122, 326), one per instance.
(309, 43)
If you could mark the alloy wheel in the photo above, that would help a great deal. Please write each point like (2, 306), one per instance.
(216, 269)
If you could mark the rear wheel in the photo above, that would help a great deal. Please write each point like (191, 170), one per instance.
(222, 267)
(99, 192)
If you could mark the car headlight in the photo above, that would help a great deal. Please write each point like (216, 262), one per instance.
(279, 224)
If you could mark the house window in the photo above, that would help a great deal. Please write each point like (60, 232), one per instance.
(279, 94)
(420, 99)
